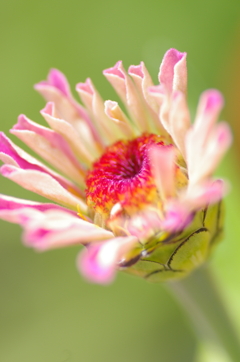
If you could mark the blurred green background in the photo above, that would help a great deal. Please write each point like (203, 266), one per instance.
(48, 312)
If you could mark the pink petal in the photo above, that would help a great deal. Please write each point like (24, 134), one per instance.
(57, 228)
(58, 80)
(179, 212)
(143, 82)
(91, 269)
(199, 139)
(117, 77)
(67, 131)
(207, 193)
(173, 77)
(99, 262)
(203, 159)
(114, 112)
(126, 90)
(44, 185)
(210, 105)
(163, 99)
(50, 146)
(13, 155)
(177, 217)
(144, 225)
(11, 208)
(95, 105)
(218, 143)
(173, 71)
(56, 89)
(162, 160)
(179, 121)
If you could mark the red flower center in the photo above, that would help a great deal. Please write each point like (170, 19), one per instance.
(123, 174)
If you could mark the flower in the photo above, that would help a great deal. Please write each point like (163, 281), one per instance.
(136, 190)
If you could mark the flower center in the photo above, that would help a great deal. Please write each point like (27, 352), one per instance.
(123, 174)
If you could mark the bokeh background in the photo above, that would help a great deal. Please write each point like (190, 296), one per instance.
(48, 313)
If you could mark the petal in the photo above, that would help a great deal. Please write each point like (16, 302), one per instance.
(207, 193)
(13, 155)
(67, 131)
(202, 159)
(218, 144)
(180, 212)
(210, 105)
(95, 105)
(145, 224)
(57, 80)
(143, 82)
(44, 185)
(126, 90)
(56, 89)
(11, 208)
(50, 146)
(163, 168)
(173, 71)
(57, 228)
(201, 138)
(179, 121)
(158, 92)
(116, 76)
(177, 217)
(114, 112)
(99, 262)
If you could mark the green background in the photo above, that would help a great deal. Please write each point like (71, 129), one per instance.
(48, 313)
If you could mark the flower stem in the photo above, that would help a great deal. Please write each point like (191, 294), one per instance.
(199, 297)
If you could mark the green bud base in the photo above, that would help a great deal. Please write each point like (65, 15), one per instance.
(171, 257)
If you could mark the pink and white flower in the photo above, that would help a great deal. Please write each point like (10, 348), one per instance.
(121, 182)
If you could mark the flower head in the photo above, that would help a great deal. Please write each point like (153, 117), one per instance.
(135, 189)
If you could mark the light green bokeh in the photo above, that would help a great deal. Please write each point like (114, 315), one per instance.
(48, 312)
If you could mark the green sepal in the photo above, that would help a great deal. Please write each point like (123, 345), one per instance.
(169, 257)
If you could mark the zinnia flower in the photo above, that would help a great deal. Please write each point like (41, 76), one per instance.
(135, 189)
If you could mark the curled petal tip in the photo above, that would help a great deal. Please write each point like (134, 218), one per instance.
(58, 80)
(213, 100)
(6, 170)
(173, 72)
(39, 85)
(224, 135)
(175, 54)
(55, 79)
(115, 70)
(93, 268)
(48, 109)
(136, 70)
(214, 192)
(110, 104)
(176, 218)
(86, 87)
(22, 119)
(99, 262)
